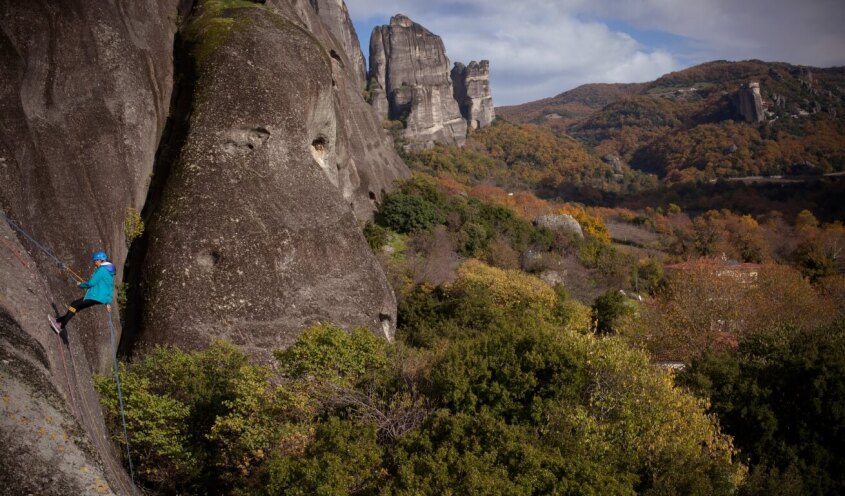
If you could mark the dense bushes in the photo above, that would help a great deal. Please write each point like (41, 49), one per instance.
(197, 420)
(507, 395)
(437, 222)
(406, 213)
(782, 396)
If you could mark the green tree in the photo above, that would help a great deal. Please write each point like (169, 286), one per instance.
(343, 458)
(782, 396)
(405, 213)
(199, 421)
(608, 308)
(158, 429)
(649, 276)
(328, 352)
(376, 235)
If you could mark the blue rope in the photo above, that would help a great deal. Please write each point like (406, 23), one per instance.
(14, 225)
(120, 397)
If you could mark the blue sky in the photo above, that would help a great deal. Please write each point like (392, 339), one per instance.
(540, 48)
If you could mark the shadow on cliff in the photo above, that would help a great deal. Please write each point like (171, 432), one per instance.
(170, 146)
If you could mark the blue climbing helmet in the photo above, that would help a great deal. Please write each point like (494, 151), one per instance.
(99, 255)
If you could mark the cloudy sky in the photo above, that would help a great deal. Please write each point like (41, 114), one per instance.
(540, 48)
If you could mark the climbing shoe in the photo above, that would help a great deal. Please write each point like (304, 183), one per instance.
(55, 324)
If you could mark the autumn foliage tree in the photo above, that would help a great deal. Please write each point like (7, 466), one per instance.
(712, 306)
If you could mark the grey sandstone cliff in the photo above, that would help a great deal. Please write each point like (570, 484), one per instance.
(84, 95)
(256, 208)
(472, 92)
(360, 159)
(410, 81)
(335, 17)
(256, 233)
(749, 102)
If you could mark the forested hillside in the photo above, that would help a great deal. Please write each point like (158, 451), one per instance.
(686, 126)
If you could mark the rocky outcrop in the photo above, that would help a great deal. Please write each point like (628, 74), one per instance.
(749, 103)
(563, 223)
(360, 160)
(614, 161)
(84, 96)
(472, 91)
(335, 17)
(266, 243)
(410, 82)
(255, 233)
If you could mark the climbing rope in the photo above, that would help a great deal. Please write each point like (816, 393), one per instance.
(14, 225)
(59, 263)
(119, 392)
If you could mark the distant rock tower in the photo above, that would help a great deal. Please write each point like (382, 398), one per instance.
(472, 91)
(410, 81)
(750, 103)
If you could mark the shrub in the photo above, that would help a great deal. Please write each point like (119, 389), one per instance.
(198, 420)
(405, 213)
(376, 235)
(328, 352)
(343, 458)
(133, 225)
(608, 308)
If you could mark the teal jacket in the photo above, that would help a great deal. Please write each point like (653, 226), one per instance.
(101, 285)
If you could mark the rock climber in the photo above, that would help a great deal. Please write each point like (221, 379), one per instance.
(100, 291)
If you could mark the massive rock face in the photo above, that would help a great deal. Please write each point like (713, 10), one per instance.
(410, 81)
(84, 96)
(472, 92)
(749, 102)
(360, 160)
(253, 240)
(335, 17)
(257, 231)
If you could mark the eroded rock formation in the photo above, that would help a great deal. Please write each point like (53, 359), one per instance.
(472, 92)
(253, 208)
(335, 17)
(84, 96)
(360, 160)
(256, 230)
(749, 103)
(560, 222)
(410, 82)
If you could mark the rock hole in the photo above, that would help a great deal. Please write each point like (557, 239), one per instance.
(335, 56)
(245, 140)
(372, 195)
(319, 149)
(208, 260)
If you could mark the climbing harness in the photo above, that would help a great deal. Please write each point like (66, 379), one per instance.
(59, 263)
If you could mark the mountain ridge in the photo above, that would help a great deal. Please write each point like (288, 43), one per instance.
(688, 125)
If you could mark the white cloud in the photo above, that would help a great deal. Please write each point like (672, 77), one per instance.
(539, 48)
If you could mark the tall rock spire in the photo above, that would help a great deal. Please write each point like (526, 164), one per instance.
(472, 91)
(410, 82)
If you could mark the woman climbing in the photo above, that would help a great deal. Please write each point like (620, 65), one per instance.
(100, 291)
